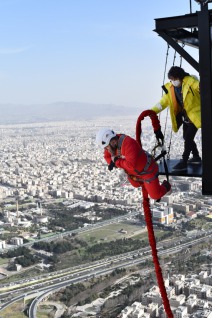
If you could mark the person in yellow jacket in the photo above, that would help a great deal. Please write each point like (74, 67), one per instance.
(182, 96)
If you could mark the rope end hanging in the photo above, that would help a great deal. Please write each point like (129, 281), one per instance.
(148, 215)
(152, 242)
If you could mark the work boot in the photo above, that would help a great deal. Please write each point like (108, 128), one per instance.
(180, 166)
(167, 185)
(196, 160)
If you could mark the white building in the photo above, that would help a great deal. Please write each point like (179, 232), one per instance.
(176, 301)
(136, 310)
(181, 312)
(17, 240)
(2, 244)
(163, 216)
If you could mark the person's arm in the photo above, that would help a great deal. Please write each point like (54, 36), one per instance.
(164, 101)
(108, 159)
(159, 107)
(107, 156)
(196, 87)
(130, 152)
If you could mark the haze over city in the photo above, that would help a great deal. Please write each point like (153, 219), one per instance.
(97, 52)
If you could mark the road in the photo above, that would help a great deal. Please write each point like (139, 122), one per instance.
(98, 268)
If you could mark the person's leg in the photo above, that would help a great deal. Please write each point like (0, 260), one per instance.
(189, 132)
(157, 190)
(153, 186)
(194, 150)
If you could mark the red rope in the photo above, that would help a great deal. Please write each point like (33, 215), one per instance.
(155, 123)
(152, 242)
(148, 216)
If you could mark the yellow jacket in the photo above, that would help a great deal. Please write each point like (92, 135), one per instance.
(191, 102)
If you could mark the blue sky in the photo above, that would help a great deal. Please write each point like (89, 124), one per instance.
(96, 51)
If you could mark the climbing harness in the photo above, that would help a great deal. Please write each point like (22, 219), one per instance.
(148, 215)
(120, 141)
(139, 174)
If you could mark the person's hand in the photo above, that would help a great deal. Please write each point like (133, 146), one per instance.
(159, 135)
(111, 166)
(114, 158)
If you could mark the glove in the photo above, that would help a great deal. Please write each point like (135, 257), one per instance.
(111, 166)
(159, 135)
(114, 159)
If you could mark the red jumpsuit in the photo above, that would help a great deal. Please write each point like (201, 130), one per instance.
(140, 167)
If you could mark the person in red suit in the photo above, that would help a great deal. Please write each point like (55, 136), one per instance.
(122, 151)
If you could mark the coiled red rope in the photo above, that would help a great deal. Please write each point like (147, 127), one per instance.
(148, 216)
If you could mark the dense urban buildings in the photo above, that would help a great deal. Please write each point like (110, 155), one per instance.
(51, 161)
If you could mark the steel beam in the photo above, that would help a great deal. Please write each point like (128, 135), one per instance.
(179, 22)
(205, 62)
(180, 50)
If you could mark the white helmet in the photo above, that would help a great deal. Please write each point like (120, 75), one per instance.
(104, 136)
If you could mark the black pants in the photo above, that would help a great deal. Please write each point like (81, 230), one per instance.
(189, 132)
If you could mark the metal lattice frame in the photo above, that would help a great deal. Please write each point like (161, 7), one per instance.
(195, 30)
